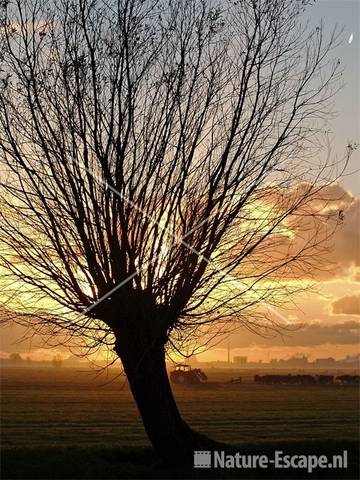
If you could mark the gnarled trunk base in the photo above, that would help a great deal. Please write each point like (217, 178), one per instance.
(173, 440)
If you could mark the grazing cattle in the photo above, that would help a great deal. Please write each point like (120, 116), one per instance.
(306, 379)
(325, 379)
(349, 379)
(298, 379)
(280, 379)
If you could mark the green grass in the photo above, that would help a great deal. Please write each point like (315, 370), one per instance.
(68, 424)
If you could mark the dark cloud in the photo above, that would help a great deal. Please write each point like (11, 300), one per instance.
(348, 305)
(298, 335)
(344, 333)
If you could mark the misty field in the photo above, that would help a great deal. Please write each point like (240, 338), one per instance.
(62, 410)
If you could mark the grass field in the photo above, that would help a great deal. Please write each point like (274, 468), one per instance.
(65, 423)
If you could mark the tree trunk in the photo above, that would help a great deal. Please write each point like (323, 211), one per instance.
(173, 440)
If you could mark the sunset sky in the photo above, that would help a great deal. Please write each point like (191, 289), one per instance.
(330, 316)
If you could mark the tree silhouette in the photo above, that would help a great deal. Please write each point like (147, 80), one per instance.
(158, 176)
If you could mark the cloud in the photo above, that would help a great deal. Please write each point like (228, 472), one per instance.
(337, 334)
(357, 276)
(328, 221)
(347, 239)
(348, 305)
(344, 333)
(342, 249)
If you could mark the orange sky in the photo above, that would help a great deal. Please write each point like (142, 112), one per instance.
(331, 314)
(325, 321)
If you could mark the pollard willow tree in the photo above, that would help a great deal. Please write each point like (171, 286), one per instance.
(159, 178)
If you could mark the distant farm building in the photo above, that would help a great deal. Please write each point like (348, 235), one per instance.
(240, 360)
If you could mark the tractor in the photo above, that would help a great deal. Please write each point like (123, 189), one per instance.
(185, 375)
